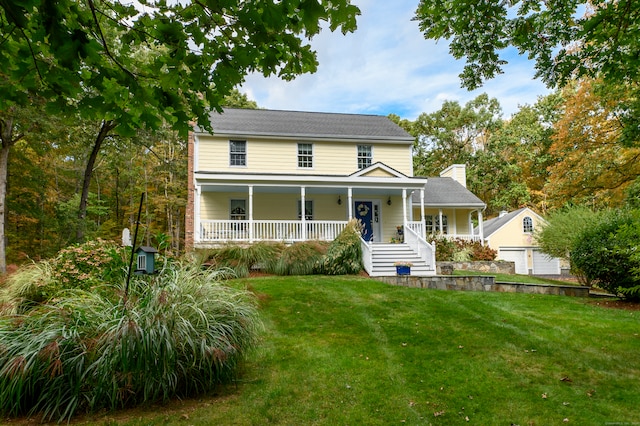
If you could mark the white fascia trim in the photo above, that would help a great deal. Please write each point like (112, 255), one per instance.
(310, 137)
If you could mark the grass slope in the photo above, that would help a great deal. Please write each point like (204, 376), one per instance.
(349, 350)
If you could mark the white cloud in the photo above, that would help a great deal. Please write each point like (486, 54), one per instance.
(385, 67)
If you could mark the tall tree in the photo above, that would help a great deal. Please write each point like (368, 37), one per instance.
(131, 67)
(566, 38)
(454, 133)
(591, 167)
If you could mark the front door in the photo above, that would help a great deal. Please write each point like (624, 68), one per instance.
(368, 213)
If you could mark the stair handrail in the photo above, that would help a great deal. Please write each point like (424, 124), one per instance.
(367, 255)
(422, 247)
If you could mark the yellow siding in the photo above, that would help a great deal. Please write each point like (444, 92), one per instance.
(391, 218)
(273, 156)
(215, 206)
(512, 235)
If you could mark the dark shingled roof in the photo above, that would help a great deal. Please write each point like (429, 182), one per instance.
(492, 225)
(447, 192)
(262, 122)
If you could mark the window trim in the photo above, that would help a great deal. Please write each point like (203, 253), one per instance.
(300, 158)
(527, 224)
(232, 153)
(358, 157)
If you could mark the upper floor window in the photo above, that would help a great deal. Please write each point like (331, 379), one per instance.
(237, 153)
(527, 224)
(365, 156)
(238, 210)
(305, 155)
(433, 224)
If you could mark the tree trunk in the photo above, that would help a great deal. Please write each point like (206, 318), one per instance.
(106, 127)
(7, 141)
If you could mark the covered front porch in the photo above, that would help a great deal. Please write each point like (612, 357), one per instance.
(289, 208)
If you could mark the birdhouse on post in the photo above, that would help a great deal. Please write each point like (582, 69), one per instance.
(146, 260)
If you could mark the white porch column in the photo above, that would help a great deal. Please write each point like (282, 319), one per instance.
(250, 213)
(303, 212)
(350, 202)
(422, 218)
(454, 224)
(404, 207)
(197, 226)
(440, 227)
(480, 227)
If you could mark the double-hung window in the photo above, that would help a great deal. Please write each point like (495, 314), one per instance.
(238, 210)
(305, 155)
(433, 224)
(308, 210)
(527, 224)
(237, 153)
(365, 156)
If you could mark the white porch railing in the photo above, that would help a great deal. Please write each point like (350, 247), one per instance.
(425, 250)
(419, 229)
(269, 230)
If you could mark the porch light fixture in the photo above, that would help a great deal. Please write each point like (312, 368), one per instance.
(389, 201)
(339, 200)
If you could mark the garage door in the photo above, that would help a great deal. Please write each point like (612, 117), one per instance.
(517, 256)
(545, 265)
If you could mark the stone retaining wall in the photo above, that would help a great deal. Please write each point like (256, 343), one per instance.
(483, 283)
(488, 266)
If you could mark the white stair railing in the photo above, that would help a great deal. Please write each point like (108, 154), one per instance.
(425, 251)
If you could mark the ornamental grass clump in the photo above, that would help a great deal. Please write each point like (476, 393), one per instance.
(177, 333)
(303, 258)
(239, 260)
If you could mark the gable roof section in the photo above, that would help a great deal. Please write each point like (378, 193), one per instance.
(379, 169)
(492, 225)
(447, 192)
(311, 125)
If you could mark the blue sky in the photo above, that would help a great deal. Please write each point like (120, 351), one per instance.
(386, 67)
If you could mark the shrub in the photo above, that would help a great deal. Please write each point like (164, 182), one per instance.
(445, 248)
(86, 265)
(607, 253)
(459, 250)
(344, 255)
(480, 252)
(179, 334)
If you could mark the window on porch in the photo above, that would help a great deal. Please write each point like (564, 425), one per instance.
(433, 224)
(308, 210)
(305, 155)
(238, 210)
(365, 156)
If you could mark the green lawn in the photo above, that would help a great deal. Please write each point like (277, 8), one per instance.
(340, 351)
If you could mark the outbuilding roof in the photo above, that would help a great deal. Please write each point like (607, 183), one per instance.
(492, 225)
(262, 122)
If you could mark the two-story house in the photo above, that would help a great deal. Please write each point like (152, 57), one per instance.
(294, 176)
